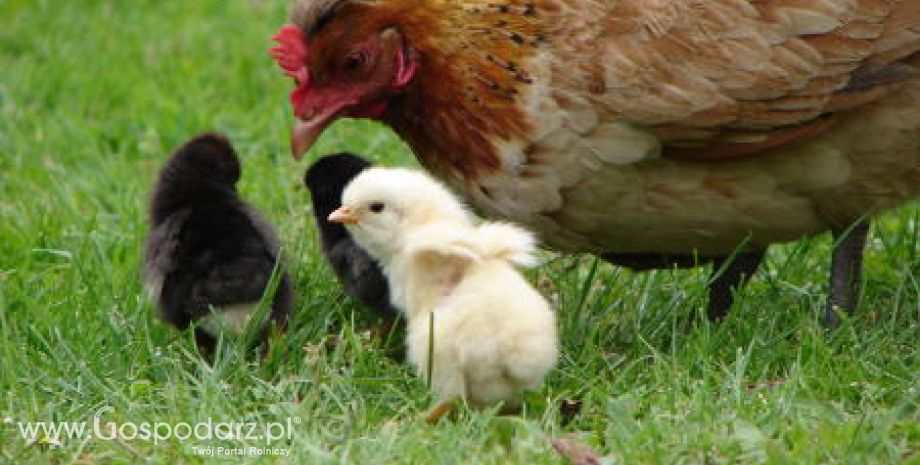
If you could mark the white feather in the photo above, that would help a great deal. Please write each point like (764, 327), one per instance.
(505, 241)
(494, 334)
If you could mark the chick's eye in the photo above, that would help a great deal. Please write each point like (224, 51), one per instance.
(377, 207)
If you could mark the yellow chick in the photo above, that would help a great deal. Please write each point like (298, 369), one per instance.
(493, 334)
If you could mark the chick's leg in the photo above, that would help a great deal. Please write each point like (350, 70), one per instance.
(206, 342)
(449, 389)
(730, 277)
(846, 271)
(439, 411)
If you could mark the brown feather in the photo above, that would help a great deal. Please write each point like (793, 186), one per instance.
(722, 68)
(758, 142)
(602, 124)
(781, 65)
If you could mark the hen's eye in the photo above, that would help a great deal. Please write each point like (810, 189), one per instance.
(377, 207)
(355, 61)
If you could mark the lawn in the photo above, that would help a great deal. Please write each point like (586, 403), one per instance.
(95, 95)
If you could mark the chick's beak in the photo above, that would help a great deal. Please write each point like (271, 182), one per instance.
(343, 215)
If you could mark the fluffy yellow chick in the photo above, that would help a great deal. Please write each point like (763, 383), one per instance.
(494, 334)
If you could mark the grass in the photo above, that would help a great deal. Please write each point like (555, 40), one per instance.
(94, 95)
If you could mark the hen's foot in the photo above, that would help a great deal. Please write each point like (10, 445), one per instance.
(846, 272)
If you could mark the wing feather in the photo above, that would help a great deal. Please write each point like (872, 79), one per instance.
(727, 78)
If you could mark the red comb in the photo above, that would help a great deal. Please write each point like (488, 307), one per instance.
(292, 54)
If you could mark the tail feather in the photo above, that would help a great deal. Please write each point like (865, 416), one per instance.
(507, 242)
(489, 241)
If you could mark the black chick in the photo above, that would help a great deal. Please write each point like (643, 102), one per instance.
(209, 249)
(358, 273)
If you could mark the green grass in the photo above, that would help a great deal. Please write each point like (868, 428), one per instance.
(94, 96)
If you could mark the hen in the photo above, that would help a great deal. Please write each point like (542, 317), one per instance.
(651, 132)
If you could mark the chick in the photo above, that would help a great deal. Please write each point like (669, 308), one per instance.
(493, 333)
(358, 272)
(209, 256)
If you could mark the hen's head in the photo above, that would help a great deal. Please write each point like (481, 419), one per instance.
(344, 61)
(381, 206)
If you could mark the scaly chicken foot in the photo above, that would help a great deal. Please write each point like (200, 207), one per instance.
(846, 272)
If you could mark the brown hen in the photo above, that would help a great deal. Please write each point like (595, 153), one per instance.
(651, 132)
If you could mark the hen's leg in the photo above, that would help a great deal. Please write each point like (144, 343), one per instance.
(734, 276)
(742, 267)
(846, 272)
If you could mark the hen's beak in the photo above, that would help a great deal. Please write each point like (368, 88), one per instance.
(343, 215)
(306, 131)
